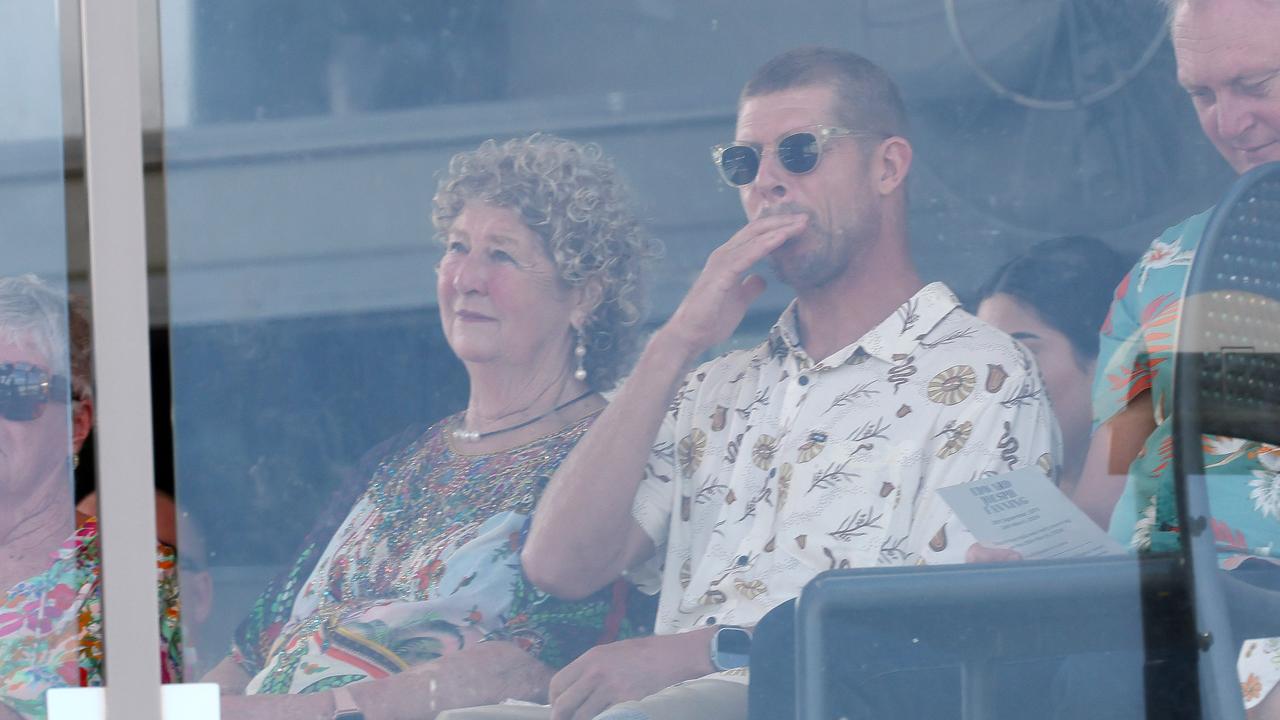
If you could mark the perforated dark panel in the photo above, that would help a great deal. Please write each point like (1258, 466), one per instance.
(1230, 331)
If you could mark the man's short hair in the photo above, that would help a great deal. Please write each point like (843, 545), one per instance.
(867, 99)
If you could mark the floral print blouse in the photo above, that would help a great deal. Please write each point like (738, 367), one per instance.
(773, 466)
(51, 624)
(425, 564)
(1136, 356)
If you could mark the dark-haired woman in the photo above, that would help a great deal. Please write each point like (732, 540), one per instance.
(1053, 298)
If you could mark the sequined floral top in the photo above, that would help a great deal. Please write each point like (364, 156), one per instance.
(425, 564)
(51, 624)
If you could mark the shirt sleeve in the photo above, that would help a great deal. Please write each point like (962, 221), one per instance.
(652, 507)
(1011, 429)
(653, 504)
(1124, 369)
(258, 630)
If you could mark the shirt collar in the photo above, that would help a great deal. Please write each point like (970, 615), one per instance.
(897, 335)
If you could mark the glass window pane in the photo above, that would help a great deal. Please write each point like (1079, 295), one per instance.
(390, 229)
(51, 621)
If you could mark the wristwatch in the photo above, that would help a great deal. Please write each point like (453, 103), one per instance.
(344, 706)
(730, 647)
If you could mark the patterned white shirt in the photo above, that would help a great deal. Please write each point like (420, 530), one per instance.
(771, 467)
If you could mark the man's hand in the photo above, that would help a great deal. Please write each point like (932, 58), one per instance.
(719, 298)
(628, 670)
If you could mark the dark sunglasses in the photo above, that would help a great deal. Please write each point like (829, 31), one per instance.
(25, 389)
(798, 152)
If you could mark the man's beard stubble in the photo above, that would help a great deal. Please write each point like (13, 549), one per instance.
(819, 255)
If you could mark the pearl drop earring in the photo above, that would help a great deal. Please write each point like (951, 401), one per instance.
(580, 352)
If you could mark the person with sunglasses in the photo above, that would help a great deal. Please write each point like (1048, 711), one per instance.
(728, 487)
(51, 610)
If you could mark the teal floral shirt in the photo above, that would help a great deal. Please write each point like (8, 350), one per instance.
(1136, 356)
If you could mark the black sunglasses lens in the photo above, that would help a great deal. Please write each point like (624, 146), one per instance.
(22, 392)
(20, 409)
(739, 163)
(798, 153)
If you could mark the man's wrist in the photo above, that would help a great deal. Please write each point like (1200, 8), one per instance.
(696, 648)
(668, 348)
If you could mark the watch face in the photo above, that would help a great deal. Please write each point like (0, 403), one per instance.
(732, 648)
(349, 715)
(729, 661)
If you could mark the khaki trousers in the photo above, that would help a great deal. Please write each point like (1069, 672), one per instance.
(701, 699)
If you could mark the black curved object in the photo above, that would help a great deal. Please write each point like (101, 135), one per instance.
(1227, 382)
(981, 619)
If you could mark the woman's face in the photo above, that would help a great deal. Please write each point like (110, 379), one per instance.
(31, 451)
(501, 297)
(1070, 386)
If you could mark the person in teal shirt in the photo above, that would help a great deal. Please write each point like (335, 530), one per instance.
(1135, 368)
(1229, 64)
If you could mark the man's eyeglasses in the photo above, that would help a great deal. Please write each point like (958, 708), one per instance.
(798, 152)
(25, 389)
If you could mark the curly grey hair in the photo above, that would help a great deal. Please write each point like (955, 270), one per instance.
(36, 316)
(570, 194)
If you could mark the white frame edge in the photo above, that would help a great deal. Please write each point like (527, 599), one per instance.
(113, 175)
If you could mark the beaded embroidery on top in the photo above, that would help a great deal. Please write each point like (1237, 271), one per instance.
(426, 563)
(429, 497)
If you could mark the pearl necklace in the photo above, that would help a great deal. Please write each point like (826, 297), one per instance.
(473, 436)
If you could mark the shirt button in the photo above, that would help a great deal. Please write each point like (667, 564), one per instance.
(803, 380)
(711, 620)
(743, 560)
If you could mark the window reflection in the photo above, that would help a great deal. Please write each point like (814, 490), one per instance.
(339, 57)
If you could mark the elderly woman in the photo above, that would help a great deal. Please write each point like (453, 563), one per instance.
(417, 601)
(50, 615)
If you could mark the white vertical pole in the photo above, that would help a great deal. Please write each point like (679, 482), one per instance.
(118, 279)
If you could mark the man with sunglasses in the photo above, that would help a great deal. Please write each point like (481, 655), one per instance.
(730, 487)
